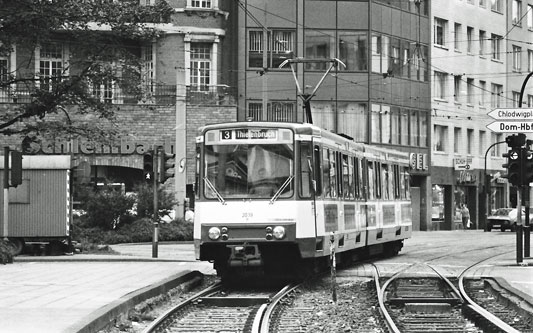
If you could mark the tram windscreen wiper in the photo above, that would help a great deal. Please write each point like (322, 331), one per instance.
(281, 189)
(213, 188)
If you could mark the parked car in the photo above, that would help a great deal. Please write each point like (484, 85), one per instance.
(505, 218)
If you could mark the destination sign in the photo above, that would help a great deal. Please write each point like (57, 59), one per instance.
(249, 134)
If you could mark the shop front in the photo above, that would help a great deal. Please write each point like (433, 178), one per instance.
(451, 189)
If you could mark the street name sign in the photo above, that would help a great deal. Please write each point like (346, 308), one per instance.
(511, 126)
(512, 114)
(511, 120)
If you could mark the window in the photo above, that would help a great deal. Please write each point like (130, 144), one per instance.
(517, 58)
(4, 78)
(496, 5)
(406, 59)
(482, 3)
(439, 32)
(482, 93)
(319, 45)
(457, 88)
(352, 119)
(516, 12)
(440, 85)
(201, 3)
(530, 61)
(50, 65)
(529, 101)
(404, 127)
(457, 142)
(482, 39)
(394, 60)
(469, 141)
(496, 91)
(280, 47)
(200, 67)
(529, 17)
(457, 36)
(147, 70)
(278, 111)
(482, 140)
(516, 99)
(470, 91)
(380, 54)
(469, 39)
(353, 50)
(497, 149)
(496, 42)
(413, 128)
(440, 137)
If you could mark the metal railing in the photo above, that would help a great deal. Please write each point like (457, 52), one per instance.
(210, 95)
(157, 94)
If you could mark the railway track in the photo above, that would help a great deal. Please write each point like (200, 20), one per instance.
(217, 309)
(433, 304)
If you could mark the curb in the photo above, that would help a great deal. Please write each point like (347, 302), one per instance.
(102, 317)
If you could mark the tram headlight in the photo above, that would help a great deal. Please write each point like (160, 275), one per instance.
(279, 232)
(213, 233)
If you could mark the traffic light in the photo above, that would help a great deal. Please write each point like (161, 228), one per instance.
(516, 140)
(16, 168)
(148, 166)
(514, 166)
(527, 166)
(166, 166)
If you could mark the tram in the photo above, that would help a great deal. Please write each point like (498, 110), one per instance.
(279, 197)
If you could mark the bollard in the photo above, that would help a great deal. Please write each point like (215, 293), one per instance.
(527, 245)
(519, 248)
(332, 265)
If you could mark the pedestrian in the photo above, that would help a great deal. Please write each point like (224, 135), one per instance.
(465, 216)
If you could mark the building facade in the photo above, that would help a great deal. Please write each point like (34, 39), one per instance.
(479, 55)
(184, 87)
(378, 95)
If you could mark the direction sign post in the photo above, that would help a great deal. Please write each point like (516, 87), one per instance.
(511, 120)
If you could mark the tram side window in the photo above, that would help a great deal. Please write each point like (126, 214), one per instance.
(397, 183)
(340, 174)
(326, 183)
(405, 188)
(348, 177)
(377, 186)
(333, 174)
(359, 183)
(371, 180)
(386, 180)
(306, 178)
(318, 170)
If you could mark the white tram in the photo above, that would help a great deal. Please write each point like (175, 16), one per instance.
(280, 196)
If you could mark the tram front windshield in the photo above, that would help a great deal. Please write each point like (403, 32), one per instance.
(248, 171)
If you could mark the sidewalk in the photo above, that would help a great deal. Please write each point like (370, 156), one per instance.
(79, 293)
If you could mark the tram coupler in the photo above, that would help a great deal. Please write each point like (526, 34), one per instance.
(245, 256)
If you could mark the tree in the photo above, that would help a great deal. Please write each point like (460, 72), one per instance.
(104, 38)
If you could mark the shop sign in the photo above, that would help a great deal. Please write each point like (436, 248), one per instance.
(462, 163)
(418, 161)
(466, 177)
(124, 147)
